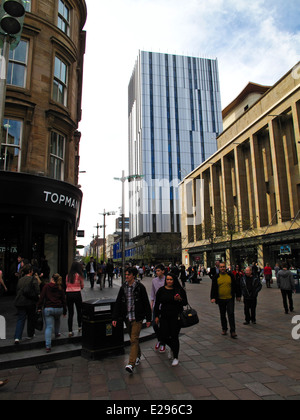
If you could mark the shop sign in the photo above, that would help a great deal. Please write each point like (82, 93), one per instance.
(60, 199)
(285, 250)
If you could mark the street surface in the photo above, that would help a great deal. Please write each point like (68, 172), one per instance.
(263, 363)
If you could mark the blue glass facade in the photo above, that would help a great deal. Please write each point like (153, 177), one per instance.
(175, 116)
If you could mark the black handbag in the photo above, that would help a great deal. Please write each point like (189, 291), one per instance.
(39, 321)
(188, 317)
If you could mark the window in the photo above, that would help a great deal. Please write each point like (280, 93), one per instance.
(57, 156)
(17, 68)
(10, 157)
(60, 88)
(64, 17)
(27, 4)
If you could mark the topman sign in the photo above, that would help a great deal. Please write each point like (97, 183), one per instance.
(60, 199)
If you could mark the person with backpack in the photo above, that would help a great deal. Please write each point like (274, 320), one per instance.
(28, 291)
(132, 306)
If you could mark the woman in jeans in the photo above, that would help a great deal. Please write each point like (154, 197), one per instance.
(53, 300)
(75, 283)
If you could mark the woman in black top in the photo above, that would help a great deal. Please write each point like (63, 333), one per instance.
(170, 300)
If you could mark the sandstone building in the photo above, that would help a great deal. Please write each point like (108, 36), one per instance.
(40, 201)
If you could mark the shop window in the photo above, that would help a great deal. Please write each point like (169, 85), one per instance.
(64, 13)
(10, 158)
(60, 82)
(57, 156)
(17, 68)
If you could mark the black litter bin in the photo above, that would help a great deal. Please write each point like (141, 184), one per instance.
(99, 337)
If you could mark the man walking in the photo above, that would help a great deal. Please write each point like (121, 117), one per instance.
(132, 306)
(224, 290)
(286, 283)
(91, 270)
(250, 286)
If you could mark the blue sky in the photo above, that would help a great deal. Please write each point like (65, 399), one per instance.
(257, 41)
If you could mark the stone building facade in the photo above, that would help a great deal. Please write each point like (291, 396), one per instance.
(247, 195)
(40, 199)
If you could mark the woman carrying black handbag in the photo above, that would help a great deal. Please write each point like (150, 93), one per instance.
(170, 300)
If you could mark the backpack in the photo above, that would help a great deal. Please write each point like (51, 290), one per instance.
(29, 291)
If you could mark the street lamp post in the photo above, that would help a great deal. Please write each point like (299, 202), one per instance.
(123, 180)
(104, 214)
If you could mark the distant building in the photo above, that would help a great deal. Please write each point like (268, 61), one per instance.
(249, 190)
(174, 110)
(40, 200)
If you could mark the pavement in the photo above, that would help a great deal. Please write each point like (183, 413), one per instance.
(262, 364)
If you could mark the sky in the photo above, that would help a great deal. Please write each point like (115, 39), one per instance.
(254, 41)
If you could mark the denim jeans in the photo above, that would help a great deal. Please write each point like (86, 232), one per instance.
(25, 312)
(52, 321)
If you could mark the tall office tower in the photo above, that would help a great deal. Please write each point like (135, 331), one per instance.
(175, 115)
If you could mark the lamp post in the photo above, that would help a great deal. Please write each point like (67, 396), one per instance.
(123, 180)
(104, 214)
(12, 14)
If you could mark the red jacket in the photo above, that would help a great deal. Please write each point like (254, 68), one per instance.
(267, 271)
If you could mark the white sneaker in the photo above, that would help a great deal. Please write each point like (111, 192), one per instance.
(138, 361)
(129, 368)
(170, 353)
(175, 362)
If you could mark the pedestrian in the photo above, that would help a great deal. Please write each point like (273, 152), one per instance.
(238, 273)
(250, 287)
(110, 272)
(53, 300)
(170, 300)
(141, 273)
(224, 290)
(214, 270)
(74, 283)
(28, 291)
(132, 306)
(183, 276)
(268, 275)
(101, 272)
(157, 283)
(286, 283)
(91, 270)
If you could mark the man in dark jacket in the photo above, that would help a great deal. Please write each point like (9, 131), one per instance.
(286, 283)
(132, 306)
(224, 290)
(28, 291)
(250, 286)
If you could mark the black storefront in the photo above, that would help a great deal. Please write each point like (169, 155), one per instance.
(38, 218)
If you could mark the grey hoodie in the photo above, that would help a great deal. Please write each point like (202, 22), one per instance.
(285, 280)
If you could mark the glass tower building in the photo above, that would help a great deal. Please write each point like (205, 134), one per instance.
(175, 116)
